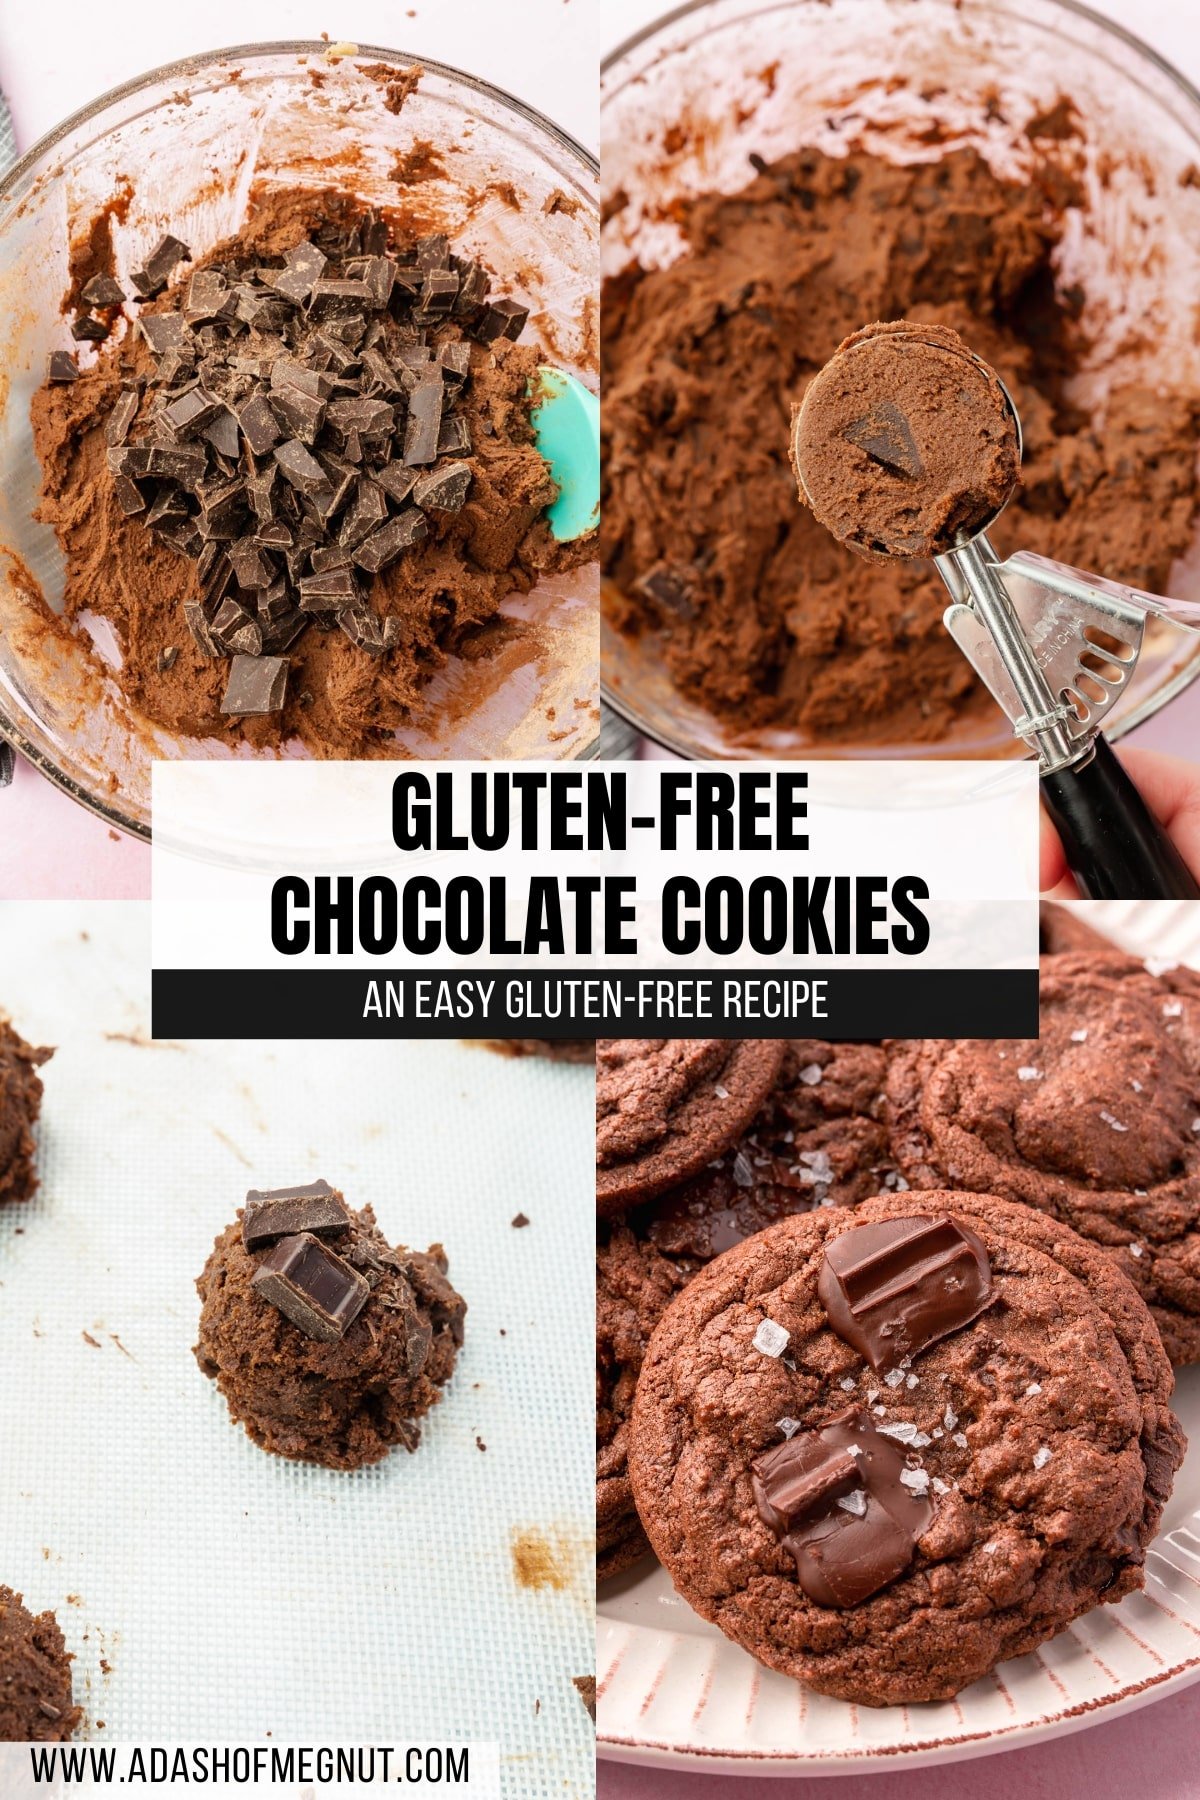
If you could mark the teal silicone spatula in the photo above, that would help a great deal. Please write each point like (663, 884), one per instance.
(566, 424)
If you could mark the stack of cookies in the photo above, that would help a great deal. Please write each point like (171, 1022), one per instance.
(885, 1331)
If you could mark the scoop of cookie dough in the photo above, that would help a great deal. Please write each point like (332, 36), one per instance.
(342, 1401)
(1096, 1122)
(667, 1106)
(904, 444)
(36, 1704)
(20, 1103)
(1002, 1483)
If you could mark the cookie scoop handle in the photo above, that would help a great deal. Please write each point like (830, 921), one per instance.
(1114, 846)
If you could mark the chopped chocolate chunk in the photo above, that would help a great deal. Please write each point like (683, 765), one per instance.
(164, 331)
(61, 366)
(444, 489)
(283, 1212)
(391, 540)
(369, 509)
(302, 469)
(116, 427)
(304, 266)
(454, 438)
(102, 290)
(191, 412)
(157, 269)
(438, 292)
(256, 686)
(456, 363)
(88, 330)
(892, 1289)
(500, 319)
(197, 624)
(315, 1289)
(129, 495)
(424, 422)
(886, 436)
(222, 434)
(207, 297)
(329, 591)
(396, 480)
(167, 658)
(363, 629)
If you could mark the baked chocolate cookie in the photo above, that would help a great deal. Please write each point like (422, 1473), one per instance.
(20, 1104)
(667, 1106)
(1096, 1122)
(1063, 929)
(887, 1526)
(36, 1703)
(634, 1285)
(818, 1140)
(327, 1343)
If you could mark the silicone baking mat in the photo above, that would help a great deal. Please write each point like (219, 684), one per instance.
(209, 1590)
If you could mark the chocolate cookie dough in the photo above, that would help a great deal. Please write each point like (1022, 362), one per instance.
(327, 1343)
(20, 1104)
(36, 1704)
(667, 1106)
(1096, 1122)
(888, 1537)
(304, 478)
(763, 619)
(817, 1140)
(905, 444)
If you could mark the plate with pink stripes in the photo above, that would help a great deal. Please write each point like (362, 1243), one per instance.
(673, 1691)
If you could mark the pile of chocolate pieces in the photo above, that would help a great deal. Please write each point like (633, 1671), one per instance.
(306, 418)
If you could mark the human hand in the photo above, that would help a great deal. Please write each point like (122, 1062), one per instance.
(1171, 789)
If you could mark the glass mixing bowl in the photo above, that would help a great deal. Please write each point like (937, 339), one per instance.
(190, 141)
(685, 101)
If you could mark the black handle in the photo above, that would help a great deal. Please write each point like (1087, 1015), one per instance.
(1115, 847)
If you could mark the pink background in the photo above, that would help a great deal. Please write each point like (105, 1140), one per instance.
(1149, 1755)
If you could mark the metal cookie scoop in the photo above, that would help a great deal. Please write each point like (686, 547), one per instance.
(1056, 647)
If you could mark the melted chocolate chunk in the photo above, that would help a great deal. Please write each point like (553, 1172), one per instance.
(835, 1500)
(892, 1289)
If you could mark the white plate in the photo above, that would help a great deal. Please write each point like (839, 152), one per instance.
(674, 1691)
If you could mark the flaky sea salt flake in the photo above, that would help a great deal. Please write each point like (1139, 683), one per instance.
(811, 1074)
(854, 1502)
(771, 1338)
(1042, 1457)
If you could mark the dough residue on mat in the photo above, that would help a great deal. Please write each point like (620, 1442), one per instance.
(764, 619)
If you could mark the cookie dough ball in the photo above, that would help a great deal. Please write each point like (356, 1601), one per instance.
(20, 1103)
(35, 1675)
(904, 444)
(327, 1343)
(886, 1448)
(1096, 1121)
